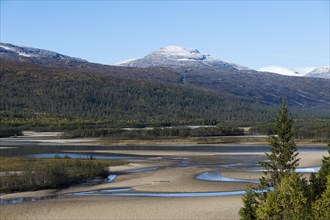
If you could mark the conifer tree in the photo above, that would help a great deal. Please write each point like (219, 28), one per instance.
(281, 161)
(282, 158)
(321, 207)
(287, 201)
(248, 211)
(324, 171)
(318, 181)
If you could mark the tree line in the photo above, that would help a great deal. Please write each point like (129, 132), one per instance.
(25, 174)
(155, 132)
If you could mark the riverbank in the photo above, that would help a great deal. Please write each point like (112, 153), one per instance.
(53, 138)
(154, 169)
(167, 178)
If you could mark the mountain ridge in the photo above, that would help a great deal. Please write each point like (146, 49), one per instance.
(176, 56)
(31, 52)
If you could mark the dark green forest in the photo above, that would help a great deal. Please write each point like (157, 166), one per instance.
(36, 97)
(38, 91)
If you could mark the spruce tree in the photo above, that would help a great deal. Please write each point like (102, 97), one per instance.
(318, 181)
(281, 161)
(324, 171)
(321, 207)
(287, 201)
(248, 211)
(282, 158)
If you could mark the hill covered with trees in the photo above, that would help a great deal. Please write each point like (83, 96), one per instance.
(50, 91)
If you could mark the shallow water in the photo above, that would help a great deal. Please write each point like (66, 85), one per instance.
(298, 170)
(111, 177)
(162, 194)
(215, 175)
(308, 170)
(241, 165)
(118, 193)
(147, 169)
(26, 199)
(183, 194)
(97, 192)
(14, 148)
(236, 162)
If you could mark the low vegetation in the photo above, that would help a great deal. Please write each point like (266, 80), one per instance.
(178, 132)
(10, 131)
(24, 174)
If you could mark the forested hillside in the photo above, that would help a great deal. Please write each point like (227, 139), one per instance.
(36, 95)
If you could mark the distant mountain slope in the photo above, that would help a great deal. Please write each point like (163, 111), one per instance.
(9, 50)
(228, 83)
(320, 72)
(35, 89)
(265, 87)
(203, 71)
(175, 56)
(281, 70)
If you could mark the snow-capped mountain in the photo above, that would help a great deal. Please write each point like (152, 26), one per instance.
(281, 70)
(29, 52)
(317, 72)
(175, 56)
(179, 67)
(320, 72)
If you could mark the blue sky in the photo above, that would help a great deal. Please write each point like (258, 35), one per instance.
(250, 33)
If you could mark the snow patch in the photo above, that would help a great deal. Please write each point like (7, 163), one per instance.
(280, 70)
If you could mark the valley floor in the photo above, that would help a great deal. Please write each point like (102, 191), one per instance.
(159, 172)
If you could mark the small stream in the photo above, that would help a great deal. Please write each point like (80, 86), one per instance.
(50, 151)
(214, 175)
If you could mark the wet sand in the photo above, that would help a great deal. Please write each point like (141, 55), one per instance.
(177, 179)
(126, 208)
(168, 178)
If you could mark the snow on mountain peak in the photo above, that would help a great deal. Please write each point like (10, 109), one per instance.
(319, 72)
(176, 52)
(33, 52)
(280, 70)
(177, 49)
(176, 56)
